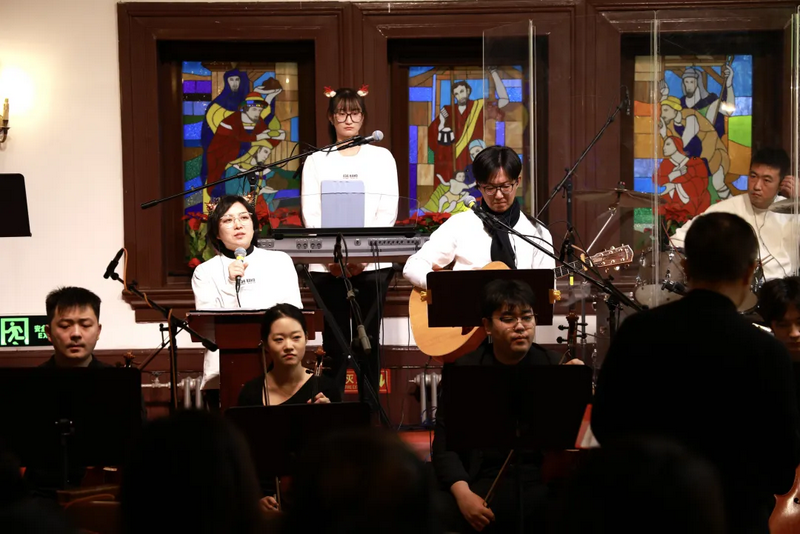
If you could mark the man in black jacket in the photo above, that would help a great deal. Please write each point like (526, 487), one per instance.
(465, 479)
(698, 372)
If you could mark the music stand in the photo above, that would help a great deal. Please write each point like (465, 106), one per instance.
(453, 301)
(538, 407)
(56, 418)
(278, 434)
(14, 220)
(526, 408)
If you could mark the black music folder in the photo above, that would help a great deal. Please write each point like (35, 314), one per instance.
(455, 295)
(278, 434)
(14, 220)
(88, 417)
(539, 407)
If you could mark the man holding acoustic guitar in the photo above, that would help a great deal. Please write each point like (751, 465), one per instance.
(467, 243)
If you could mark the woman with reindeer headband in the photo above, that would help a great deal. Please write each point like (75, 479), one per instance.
(366, 171)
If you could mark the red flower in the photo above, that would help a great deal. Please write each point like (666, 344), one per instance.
(194, 224)
(194, 262)
(294, 220)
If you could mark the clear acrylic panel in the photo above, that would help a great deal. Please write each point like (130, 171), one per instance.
(509, 99)
(795, 136)
(726, 81)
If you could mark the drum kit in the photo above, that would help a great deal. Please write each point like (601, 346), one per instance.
(669, 283)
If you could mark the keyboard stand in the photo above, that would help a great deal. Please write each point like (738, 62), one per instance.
(364, 385)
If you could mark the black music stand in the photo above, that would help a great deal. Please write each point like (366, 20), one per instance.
(453, 294)
(14, 215)
(526, 408)
(278, 434)
(537, 407)
(59, 420)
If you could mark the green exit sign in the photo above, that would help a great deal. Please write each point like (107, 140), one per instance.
(23, 331)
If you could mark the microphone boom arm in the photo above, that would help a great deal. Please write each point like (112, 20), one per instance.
(255, 169)
(608, 289)
(574, 167)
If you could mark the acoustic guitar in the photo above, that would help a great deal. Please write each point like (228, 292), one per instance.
(449, 343)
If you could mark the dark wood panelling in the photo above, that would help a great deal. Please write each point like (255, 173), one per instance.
(142, 27)
(351, 41)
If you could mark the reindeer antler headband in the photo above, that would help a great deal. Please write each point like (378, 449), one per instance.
(362, 91)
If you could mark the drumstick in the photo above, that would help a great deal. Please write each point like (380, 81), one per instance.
(497, 478)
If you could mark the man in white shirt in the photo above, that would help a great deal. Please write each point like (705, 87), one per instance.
(466, 242)
(778, 247)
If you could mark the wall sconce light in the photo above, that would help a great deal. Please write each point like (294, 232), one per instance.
(5, 127)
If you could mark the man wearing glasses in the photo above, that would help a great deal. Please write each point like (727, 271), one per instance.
(465, 479)
(466, 243)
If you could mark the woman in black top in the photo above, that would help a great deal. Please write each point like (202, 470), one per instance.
(283, 333)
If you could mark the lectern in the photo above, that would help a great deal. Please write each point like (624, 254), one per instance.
(237, 333)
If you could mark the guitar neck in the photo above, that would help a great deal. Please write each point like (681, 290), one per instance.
(563, 270)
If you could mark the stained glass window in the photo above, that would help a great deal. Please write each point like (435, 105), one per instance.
(703, 122)
(237, 116)
(451, 118)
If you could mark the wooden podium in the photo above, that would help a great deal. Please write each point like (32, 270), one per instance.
(237, 333)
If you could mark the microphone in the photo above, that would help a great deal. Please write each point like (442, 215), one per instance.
(376, 136)
(476, 208)
(113, 265)
(627, 102)
(240, 254)
(674, 287)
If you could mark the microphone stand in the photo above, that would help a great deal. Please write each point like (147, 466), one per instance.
(340, 145)
(566, 183)
(174, 325)
(593, 142)
(363, 345)
(615, 296)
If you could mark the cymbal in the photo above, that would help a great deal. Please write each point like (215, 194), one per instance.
(783, 206)
(620, 197)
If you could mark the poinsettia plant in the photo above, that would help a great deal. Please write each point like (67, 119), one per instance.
(279, 218)
(198, 248)
(671, 217)
(425, 223)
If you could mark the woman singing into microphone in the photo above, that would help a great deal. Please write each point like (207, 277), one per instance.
(265, 277)
(371, 172)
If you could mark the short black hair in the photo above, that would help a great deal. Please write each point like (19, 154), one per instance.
(222, 208)
(500, 294)
(775, 297)
(636, 478)
(776, 158)
(279, 311)
(491, 159)
(67, 298)
(360, 481)
(720, 247)
(224, 487)
(349, 100)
